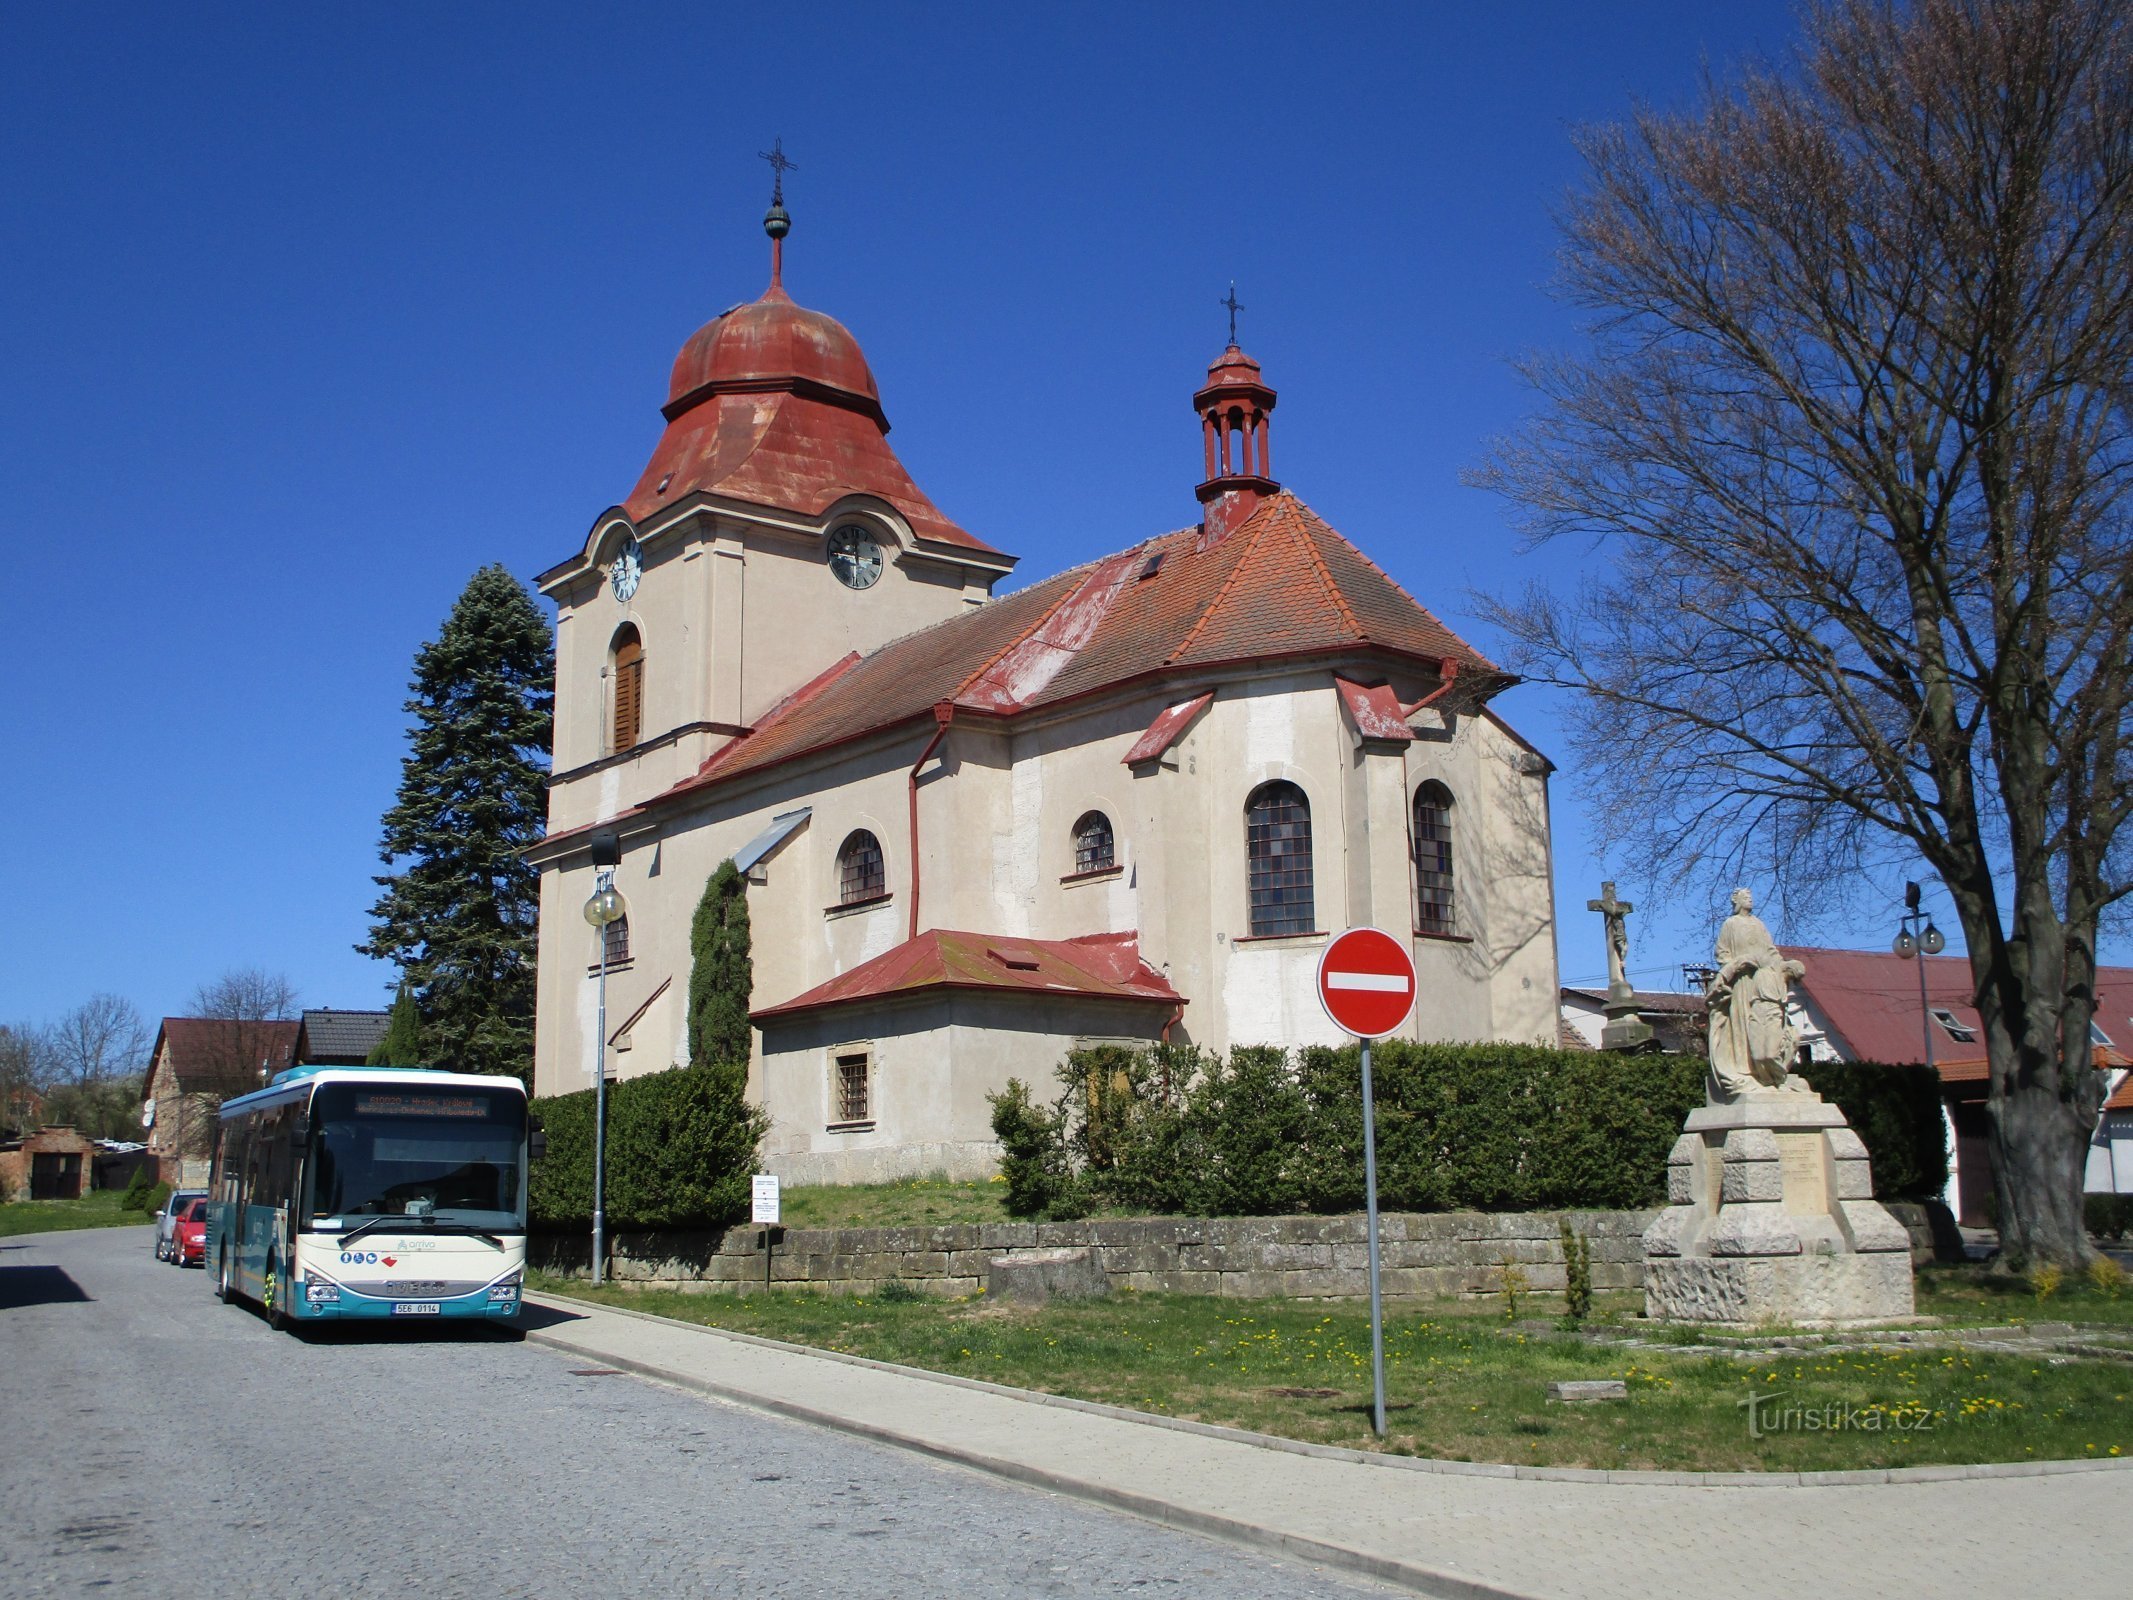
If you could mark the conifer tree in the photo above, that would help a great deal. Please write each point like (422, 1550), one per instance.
(401, 1044)
(721, 973)
(459, 913)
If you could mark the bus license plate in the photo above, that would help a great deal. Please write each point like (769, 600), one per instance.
(416, 1308)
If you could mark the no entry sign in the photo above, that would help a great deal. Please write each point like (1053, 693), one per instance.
(1366, 982)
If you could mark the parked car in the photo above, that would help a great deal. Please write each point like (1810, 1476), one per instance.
(188, 1235)
(167, 1218)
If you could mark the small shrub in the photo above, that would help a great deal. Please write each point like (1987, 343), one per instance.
(136, 1196)
(2045, 1281)
(896, 1292)
(1511, 1283)
(1033, 1156)
(1577, 1276)
(2106, 1277)
(157, 1194)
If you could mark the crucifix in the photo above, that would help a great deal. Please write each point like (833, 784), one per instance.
(779, 166)
(1615, 914)
(1234, 308)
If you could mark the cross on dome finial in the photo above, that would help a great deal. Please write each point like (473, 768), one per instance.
(776, 222)
(779, 165)
(1235, 306)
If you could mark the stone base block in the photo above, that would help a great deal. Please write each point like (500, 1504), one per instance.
(1812, 1291)
(1035, 1276)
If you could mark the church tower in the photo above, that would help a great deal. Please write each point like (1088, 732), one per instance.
(772, 534)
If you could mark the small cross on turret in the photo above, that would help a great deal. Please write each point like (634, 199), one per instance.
(1235, 306)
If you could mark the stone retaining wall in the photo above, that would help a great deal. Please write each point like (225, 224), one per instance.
(1435, 1254)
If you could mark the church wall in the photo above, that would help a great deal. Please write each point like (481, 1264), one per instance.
(734, 615)
(934, 1062)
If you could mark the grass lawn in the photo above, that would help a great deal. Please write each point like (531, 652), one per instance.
(1458, 1385)
(1976, 1297)
(98, 1209)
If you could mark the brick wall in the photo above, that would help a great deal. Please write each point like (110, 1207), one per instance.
(1444, 1253)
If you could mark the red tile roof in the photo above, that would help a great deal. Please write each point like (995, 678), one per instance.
(1104, 966)
(2121, 1097)
(1869, 998)
(214, 1056)
(774, 404)
(1283, 585)
(1170, 723)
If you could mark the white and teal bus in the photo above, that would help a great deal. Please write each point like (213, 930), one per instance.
(344, 1192)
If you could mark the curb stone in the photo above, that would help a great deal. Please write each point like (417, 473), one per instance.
(1838, 1479)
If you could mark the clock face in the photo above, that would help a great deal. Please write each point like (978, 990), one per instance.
(855, 557)
(624, 571)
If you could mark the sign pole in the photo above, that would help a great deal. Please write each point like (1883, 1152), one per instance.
(1370, 1201)
(1366, 982)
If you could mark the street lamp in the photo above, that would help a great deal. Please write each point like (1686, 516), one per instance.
(605, 906)
(1914, 934)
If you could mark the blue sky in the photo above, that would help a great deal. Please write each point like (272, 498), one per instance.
(310, 312)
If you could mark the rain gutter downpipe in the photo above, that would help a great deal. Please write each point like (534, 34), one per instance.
(943, 714)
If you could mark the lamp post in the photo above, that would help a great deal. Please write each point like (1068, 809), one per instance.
(605, 906)
(1915, 934)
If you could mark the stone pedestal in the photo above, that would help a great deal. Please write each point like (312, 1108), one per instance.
(1624, 1030)
(1771, 1218)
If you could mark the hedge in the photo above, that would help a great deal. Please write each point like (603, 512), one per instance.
(681, 1148)
(1459, 1127)
(1896, 1111)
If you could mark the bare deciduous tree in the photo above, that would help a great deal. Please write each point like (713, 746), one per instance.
(1855, 424)
(239, 1001)
(100, 1039)
(25, 1074)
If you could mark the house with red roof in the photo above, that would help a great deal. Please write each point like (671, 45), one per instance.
(197, 1063)
(984, 823)
(1867, 1005)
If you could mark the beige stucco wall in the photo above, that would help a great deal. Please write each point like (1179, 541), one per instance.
(996, 819)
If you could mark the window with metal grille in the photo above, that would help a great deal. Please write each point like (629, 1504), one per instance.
(615, 936)
(1093, 847)
(629, 689)
(860, 873)
(1433, 859)
(855, 1099)
(1277, 834)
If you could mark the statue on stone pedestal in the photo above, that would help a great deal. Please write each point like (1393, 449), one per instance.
(1753, 1040)
(1625, 1029)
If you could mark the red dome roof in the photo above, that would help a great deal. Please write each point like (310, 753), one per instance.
(771, 344)
(1233, 369)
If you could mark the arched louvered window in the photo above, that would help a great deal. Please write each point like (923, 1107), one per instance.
(861, 874)
(615, 936)
(629, 689)
(1094, 848)
(1433, 860)
(1277, 835)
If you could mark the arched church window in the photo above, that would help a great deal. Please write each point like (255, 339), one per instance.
(629, 688)
(1433, 860)
(615, 937)
(1094, 848)
(1277, 834)
(861, 874)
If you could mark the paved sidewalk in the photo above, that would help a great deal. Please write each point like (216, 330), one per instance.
(1462, 1535)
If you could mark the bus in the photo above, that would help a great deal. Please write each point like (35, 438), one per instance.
(372, 1192)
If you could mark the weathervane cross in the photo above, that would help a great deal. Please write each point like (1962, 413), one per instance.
(1235, 306)
(779, 166)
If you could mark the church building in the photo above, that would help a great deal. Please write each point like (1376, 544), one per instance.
(982, 824)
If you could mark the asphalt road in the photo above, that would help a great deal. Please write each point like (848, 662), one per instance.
(156, 1442)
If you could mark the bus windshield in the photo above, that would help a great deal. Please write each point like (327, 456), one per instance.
(447, 1155)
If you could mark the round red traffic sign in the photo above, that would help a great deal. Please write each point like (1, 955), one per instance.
(1366, 982)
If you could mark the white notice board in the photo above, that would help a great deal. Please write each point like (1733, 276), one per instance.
(766, 1198)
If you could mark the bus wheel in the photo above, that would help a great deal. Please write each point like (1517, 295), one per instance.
(223, 1289)
(270, 1293)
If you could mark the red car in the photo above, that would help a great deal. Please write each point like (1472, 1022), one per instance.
(188, 1235)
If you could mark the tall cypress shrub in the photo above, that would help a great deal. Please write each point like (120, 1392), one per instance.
(460, 909)
(401, 1043)
(721, 972)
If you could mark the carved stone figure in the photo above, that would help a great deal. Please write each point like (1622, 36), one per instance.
(1753, 1040)
(1625, 1029)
